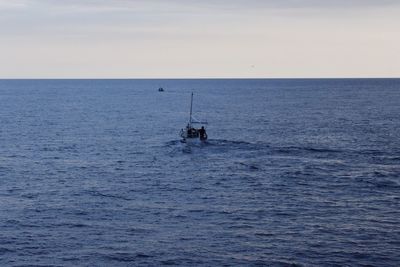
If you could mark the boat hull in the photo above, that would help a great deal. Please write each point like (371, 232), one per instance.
(192, 136)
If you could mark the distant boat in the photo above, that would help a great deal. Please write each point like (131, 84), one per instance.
(161, 89)
(190, 133)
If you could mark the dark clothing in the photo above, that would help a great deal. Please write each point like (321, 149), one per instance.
(202, 133)
(192, 133)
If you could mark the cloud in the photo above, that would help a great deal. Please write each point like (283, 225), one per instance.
(15, 4)
(187, 5)
(228, 3)
(209, 37)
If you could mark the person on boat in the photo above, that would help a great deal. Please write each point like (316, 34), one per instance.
(203, 134)
(191, 132)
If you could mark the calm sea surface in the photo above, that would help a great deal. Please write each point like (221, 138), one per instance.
(295, 173)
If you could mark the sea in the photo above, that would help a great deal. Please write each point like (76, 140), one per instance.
(295, 172)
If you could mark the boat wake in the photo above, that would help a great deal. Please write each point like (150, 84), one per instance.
(263, 148)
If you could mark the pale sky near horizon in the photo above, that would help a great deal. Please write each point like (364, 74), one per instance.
(199, 39)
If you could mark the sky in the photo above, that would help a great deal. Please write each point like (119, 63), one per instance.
(199, 39)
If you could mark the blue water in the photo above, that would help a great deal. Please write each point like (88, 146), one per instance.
(295, 173)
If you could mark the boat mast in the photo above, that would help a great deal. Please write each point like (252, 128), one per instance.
(191, 105)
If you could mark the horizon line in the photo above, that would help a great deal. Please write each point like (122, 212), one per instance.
(198, 78)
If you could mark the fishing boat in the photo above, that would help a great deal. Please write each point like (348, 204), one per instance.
(191, 133)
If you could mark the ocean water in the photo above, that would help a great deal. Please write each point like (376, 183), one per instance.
(295, 173)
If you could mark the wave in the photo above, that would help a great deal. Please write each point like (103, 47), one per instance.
(217, 146)
(292, 149)
(224, 145)
(99, 194)
(127, 257)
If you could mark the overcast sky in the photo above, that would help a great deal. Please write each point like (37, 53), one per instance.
(191, 38)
